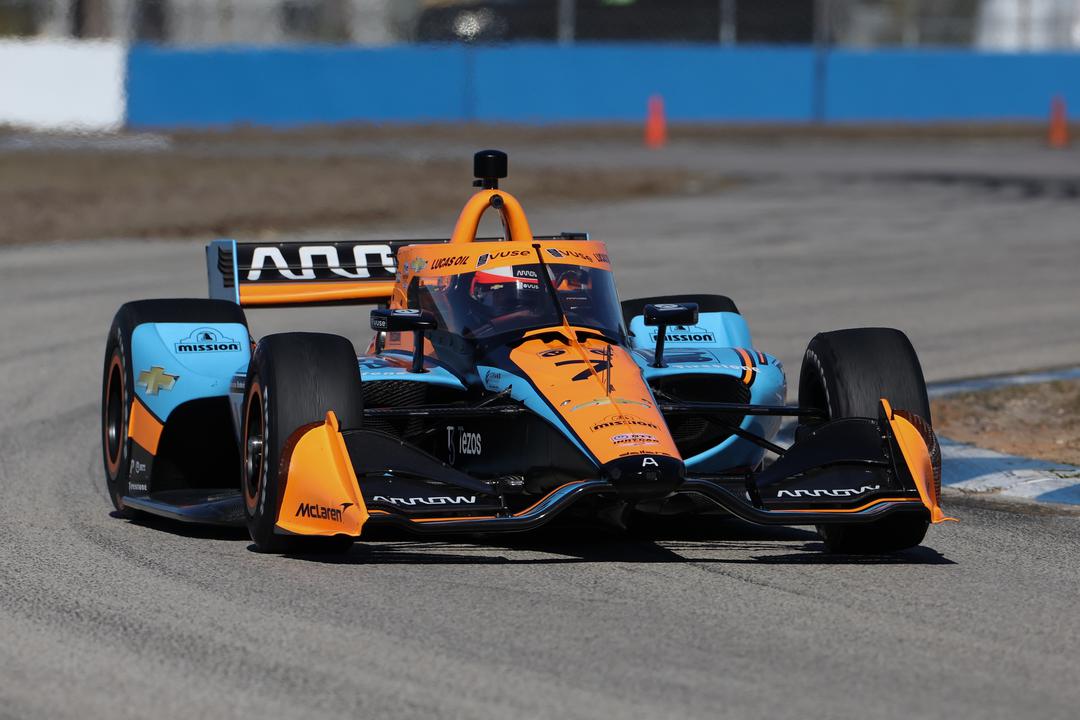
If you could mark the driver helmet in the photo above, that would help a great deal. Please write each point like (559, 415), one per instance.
(573, 279)
(505, 289)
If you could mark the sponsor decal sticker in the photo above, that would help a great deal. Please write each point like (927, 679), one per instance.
(436, 500)
(559, 254)
(459, 442)
(485, 258)
(156, 379)
(639, 453)
(608, 401)
(304, 265)
(444, 262)
(622, 421)
(136, 468)
(718, 366)
(207, 340)
(322, 512)
(686, 334)
(634, 439)
(527, 279)
(839, 492)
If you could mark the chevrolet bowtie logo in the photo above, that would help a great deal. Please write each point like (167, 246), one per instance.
(156, 379)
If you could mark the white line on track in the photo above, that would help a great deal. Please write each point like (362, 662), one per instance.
(972, 469)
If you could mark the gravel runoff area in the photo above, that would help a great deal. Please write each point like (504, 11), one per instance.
(1039, 421)
(74, 194)
(259, 182)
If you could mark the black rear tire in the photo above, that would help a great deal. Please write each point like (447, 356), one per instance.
(845, 373)
(118, 381)
(293, 380)
(705, 303)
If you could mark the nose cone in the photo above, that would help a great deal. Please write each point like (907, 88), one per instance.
(642, 477)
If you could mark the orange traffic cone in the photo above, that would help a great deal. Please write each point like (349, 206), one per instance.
(656, 124)
(1058, 137)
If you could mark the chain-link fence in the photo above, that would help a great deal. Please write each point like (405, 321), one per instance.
(990, 24)
(211, 22)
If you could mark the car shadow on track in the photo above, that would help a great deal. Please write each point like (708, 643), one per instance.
(695, 540)
(185, 529)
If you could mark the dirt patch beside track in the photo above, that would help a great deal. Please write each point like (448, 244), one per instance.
(73, 195)
(631, 133)
(251, 181)
(1037, 421)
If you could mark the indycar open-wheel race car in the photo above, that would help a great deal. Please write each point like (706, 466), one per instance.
(506, 385)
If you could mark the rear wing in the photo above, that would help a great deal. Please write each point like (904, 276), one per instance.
(299, 273)
(303, 273)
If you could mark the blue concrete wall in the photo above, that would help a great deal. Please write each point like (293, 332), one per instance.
(526, 83)
(546, 83)
(586, 83)
(927, 86)
(295, 86)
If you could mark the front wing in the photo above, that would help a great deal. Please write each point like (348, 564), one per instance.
(855, 470)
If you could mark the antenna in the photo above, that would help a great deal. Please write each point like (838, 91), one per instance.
(489, 166)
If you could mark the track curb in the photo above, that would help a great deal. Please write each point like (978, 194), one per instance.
(971, 469)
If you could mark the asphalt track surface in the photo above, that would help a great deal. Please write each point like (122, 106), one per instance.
(101, 617)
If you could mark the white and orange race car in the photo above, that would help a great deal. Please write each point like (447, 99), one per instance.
(505, 383)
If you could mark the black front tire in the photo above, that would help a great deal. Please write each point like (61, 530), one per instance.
(293, 380)
(845, 373)
(118, 376)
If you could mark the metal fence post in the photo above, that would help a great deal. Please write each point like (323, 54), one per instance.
(728, 35)
(910, 23)
(822, 42)
(567, 20)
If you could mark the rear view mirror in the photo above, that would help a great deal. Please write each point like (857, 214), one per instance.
(661, 315)
(404, 320)
(671, 314)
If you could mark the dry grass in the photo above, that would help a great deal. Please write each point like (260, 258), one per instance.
(76, 195)
(249, 181)
(1040, 421)
(623, 133)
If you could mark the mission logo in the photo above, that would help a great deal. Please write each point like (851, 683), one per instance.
(207, 340)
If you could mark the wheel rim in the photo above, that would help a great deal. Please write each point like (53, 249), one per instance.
(812, 391)
(254, 447)
(114, 416)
